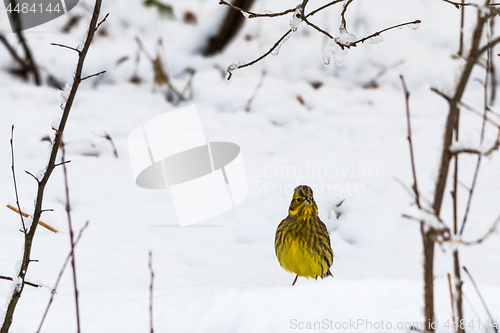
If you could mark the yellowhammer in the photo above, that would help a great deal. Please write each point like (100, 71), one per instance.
(302, 242)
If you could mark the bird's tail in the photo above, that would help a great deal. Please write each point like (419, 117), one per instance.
(328, 273)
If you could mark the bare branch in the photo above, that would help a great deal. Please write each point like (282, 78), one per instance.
(70, 228)
(323, 7)
(25, 282)
(343, 24)
(12, 52)
(262, 56)
(102, 21)
(66, 261)
(32, 175)
(412, 156)
(490, 232)
(460, 4)
(252, 14)
(442, 94)
(326, 33)
(96, 74)
(25, 231)
(476, 112)
(354, 44)
(256, 91)
(66, 47)
(62, 163)
(151, 272)
(481, 297)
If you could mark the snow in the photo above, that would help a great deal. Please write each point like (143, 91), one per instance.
(222, 275)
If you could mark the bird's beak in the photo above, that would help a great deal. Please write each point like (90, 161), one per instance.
(308, 201)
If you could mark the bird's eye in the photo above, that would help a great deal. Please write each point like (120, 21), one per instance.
(298, 199)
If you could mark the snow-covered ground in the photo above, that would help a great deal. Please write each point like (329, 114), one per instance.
(222, 275)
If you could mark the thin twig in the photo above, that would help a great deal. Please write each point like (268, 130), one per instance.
(13, 52)
(252, 14)
(96, 74)
(490, 232)
(66, 47)
(460, 4)
(102, 21)
(66, 261)
(32, 175)
(409, 138)
(62, 163)
(480, 297)
(314, 26)
(108, 137)
(461, 41)
(451, 297)
(343, 24)
(476, 112)
(483, 132)
(354, 44)
(8, 278)
(323, 7)
(25, 231)
(151, 272)
(67, 208)
(256, 91)
(264, 55)
(182, 97)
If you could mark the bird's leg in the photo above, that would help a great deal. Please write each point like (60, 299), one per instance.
(316, 278)
(296, 276)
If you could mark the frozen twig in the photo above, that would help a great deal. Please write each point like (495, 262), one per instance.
(353, 44)
(301, 15)
(343, 24)
(252, 14)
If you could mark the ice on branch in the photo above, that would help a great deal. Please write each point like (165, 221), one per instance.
(64, 95)
(345, 39)
(245, 14)
(276, 51)
(328, 51)
(296, 19)
(413, 26)
(229, 71)
(376, 39)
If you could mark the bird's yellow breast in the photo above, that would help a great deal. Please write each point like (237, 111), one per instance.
(296, 257)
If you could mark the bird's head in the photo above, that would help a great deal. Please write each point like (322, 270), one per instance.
(303, 202)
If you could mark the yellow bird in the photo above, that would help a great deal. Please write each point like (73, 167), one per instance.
(302, 242)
